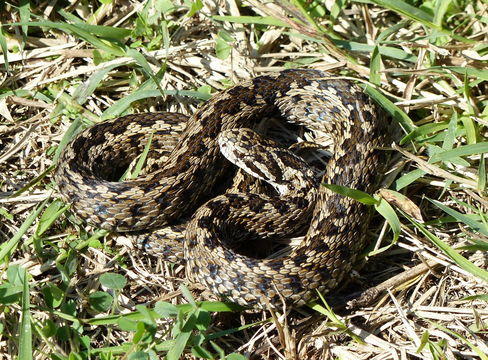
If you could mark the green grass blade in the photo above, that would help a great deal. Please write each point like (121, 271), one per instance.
(33, 182)
(375, 67)
(408, 179)
(479, 74)
(123, 104)
(260, 20)
(460, 260)
(4, 47)
(25, 337)
(179, 346)
(85, 90)
(398, 114)
(390, 216)
(383, 50)
(73, 129)
(211, 306)
(475, 225)
(358, 195)
(440, 11)
(84, 32)
(423, 131)
(8, 247)
(464, 150)
(141, 61)
(134, 173)
(142, 160)
(25, 14)
(473, 347)
(106, 32)
(450, 138)
(408, 11)
(306, 15)
(50, 215)
(418, 15)
(482, 174)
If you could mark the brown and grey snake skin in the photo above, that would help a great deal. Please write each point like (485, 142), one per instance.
(92, 161)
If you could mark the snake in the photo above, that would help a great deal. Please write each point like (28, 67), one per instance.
(194, 160)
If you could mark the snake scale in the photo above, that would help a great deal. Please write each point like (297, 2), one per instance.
(180, 186)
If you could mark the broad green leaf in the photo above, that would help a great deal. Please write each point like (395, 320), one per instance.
(188, 296)
(127, 324)
(53, 296)
(148, 315)
(235, 356)
(101, 301)
(223, 45)
(16, 274)
(113, 281)
(165, 309)
(10, 293)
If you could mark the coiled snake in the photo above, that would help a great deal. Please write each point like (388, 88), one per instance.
(93, 160)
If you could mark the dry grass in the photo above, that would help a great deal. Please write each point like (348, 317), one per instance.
(433, 70)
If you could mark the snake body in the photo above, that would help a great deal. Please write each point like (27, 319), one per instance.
(91, 162)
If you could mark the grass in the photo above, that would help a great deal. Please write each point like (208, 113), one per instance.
(69, 291)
